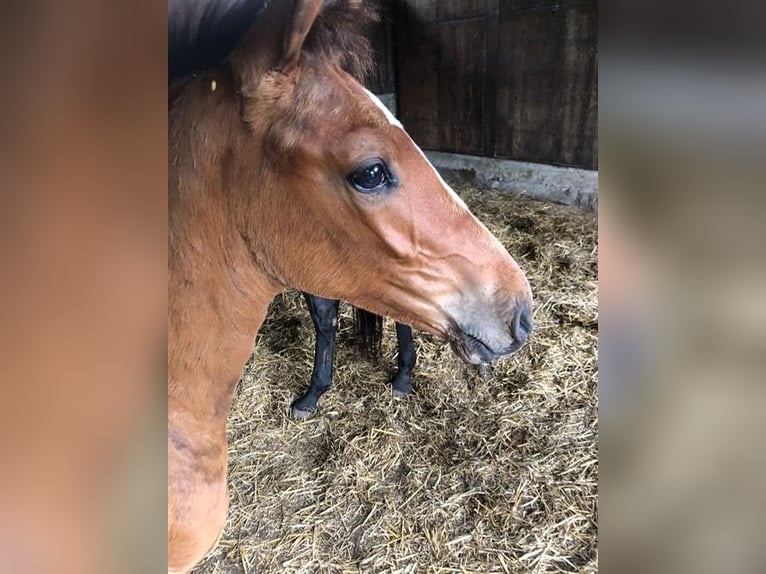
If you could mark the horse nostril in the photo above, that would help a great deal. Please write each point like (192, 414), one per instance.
(522, 322)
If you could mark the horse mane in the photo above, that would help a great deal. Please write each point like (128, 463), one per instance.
(202, 34)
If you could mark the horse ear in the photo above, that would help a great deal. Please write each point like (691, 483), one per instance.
(276, 38)
(306, 11)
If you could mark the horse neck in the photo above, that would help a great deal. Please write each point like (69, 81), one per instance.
(218, 296)
(212, 326)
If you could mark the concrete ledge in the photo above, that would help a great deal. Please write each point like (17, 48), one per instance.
(567, 185)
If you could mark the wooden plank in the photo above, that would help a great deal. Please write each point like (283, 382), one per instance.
(417, 59)
(490, 80)
(579, 122)
(417, 10)
(508, 7)
(457, 9)
(462, 76)
(442, 69)
(547, 86)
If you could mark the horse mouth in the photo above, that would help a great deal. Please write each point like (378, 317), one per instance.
(473, 351)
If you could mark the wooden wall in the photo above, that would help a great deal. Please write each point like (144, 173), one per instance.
(513, 79)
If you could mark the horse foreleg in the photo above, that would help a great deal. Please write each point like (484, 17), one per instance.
(197, 499)
(402, 381)
(324, 314)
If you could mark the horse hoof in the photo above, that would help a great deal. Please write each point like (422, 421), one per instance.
(401, 393)
(301, 414)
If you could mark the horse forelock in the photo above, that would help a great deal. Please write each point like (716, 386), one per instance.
(340, 35)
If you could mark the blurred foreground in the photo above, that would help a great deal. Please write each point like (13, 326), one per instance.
(682, 303)
(83, 207)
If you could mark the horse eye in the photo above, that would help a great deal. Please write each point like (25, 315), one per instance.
(370, 178)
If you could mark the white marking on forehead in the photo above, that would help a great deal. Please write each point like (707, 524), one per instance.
(451, 191)
(459, 200)
(393, 121)
(389, 116)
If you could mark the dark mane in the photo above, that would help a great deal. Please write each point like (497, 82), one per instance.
(202, 34)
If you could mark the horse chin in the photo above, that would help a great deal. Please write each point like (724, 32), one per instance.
(473, 351)
(466, 355)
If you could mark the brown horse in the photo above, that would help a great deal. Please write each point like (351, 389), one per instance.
(286, 172)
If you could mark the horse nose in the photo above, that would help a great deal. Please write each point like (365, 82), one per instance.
(522, 322)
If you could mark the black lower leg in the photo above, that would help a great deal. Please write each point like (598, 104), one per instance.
(402, 383)
(324, 314)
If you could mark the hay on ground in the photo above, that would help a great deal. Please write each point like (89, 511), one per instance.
(493, 472)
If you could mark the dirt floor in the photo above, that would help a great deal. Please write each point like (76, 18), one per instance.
(492, 472)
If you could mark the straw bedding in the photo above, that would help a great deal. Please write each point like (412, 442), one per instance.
(492, 471)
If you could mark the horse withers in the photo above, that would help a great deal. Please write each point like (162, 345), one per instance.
(285, 172)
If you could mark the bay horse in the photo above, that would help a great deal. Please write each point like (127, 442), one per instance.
(201, 34)
(285, 172)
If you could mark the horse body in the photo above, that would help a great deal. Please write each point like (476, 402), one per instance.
(286, 172)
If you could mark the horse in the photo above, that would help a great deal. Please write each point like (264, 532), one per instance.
(368, 327)
(218, 27)
(284, 172)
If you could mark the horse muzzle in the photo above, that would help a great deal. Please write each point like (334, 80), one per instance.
(483, 342)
